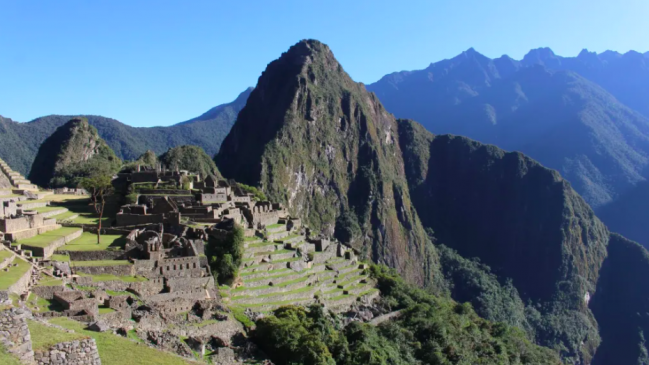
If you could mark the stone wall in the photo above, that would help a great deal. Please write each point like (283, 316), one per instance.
(118, 270)
(6, 261)
(81, 352)
(22, 284)
(139, 219)
(14, 333)
(95, 255)
(47, 292)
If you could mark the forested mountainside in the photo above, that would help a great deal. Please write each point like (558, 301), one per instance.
(19, 142)
(561, 118)
(72, 152)
(523, 222)
(190, 158)
(510, 236)
(328, 149)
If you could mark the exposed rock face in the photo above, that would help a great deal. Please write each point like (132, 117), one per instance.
(317, 141)
(73, 151)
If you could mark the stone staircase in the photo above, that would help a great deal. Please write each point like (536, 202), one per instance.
(281, 267)
(19, 182)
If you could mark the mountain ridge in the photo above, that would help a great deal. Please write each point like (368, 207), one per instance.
(517, 107)
(19, 142)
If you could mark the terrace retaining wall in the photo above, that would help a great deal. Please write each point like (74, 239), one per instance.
(78, 352)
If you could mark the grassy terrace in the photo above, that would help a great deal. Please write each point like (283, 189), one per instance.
(4, 254)
(88, 242)
(283, 239)
(273, 226)
(45, 239)
(10, 277)
(47, 209)
(100, 263)
(64, 216)
(58, 257)
(110, 277)
(262, 244)
(6, 358)
(276, 271)
(48, 281)
(253, 238)
(116, 350)
(43, 337)
(281, 285)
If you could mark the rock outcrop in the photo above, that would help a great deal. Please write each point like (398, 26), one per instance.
(72, 152)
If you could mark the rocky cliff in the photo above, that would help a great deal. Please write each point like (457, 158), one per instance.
(319, 142)
(72, 152)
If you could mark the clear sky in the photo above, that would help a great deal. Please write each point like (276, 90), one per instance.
(161, 62)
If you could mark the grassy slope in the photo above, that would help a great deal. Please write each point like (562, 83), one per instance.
(43, 337)
(114, 350)
(8, 278)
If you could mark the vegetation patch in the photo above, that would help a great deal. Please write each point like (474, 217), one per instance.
(14, 273)
(44, 337)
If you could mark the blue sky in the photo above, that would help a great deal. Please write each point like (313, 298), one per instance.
(161, 62)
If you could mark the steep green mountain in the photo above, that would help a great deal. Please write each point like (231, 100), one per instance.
(190, 158)
(315, 140)
(621, 304)
(510, 236)
(19, 142)
(72, 152)
(629, 214)
(559, 118)
(521, 220)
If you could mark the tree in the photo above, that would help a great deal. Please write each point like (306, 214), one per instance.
(99, 186)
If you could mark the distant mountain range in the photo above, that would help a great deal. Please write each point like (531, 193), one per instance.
(586, 116)
(19, 142)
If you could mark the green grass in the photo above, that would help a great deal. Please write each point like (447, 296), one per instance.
(247, 273)
(10, 277)
(43, 305)
(281, 285)
(296, 291)
(100, 263)
(105, 310)
(88, 242)
(116, 350)
(240, 316)
(6, 358)
(58, 257)
(44, 337)
(278, 275)
(45, 239)
(48, 281)
(253, 238)
(276, 225)
(4, 254)
(110, 277)
(350, 280)
(262, 244)
(64, 216)
(275, 304)
(47, 209)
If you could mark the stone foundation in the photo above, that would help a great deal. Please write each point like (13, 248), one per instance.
(83, 352)
(14, 334)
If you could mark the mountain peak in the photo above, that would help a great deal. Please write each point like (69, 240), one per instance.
(306, 52)
(543, 56)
